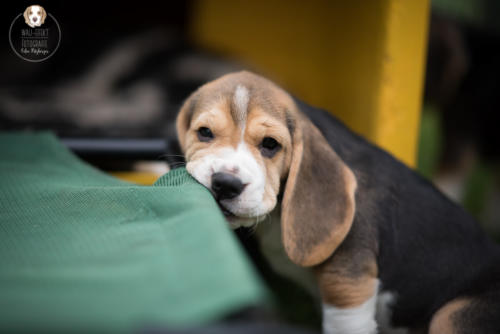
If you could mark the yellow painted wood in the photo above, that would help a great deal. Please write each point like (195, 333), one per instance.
(362, 60)
(400, 92)
(141, 178)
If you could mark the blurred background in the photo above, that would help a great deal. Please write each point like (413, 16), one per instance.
(417, 77)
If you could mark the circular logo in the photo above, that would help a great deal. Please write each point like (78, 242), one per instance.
(35, 34)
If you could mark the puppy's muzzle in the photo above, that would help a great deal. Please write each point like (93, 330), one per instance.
(226, 186)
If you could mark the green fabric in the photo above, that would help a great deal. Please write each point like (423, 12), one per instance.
(82, 250)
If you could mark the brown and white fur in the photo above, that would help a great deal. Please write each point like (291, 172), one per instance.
(348, 210)
(35, 16)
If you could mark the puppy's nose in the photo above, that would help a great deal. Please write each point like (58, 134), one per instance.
(226, 186)
(35, 18)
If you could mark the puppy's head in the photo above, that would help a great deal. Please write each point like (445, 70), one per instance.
(245, 140)
(35, 15)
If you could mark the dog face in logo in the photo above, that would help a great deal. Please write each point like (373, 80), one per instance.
(34, 16)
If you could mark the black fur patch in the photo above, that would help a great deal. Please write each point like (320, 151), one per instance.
(429, 250)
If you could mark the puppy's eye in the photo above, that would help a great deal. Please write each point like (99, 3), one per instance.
(205, 134)
(269, 147)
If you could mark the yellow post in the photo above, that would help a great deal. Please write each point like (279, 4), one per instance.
(141, 178)
(361, 60)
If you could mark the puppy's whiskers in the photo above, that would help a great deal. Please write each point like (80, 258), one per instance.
(171, 155)
(176, 164)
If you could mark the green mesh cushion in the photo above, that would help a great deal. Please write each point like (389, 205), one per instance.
(82, 250)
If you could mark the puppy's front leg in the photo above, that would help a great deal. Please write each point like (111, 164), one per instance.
(350, 320)
(349, 303)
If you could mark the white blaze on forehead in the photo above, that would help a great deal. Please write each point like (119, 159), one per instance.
(35, 10)
(240, 103)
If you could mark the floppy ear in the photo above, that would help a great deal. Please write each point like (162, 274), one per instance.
(44, 15)
(318, 204)
(26, 18)
(184, 119)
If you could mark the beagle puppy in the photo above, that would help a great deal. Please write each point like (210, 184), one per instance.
(34, 16)
(388, 250)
